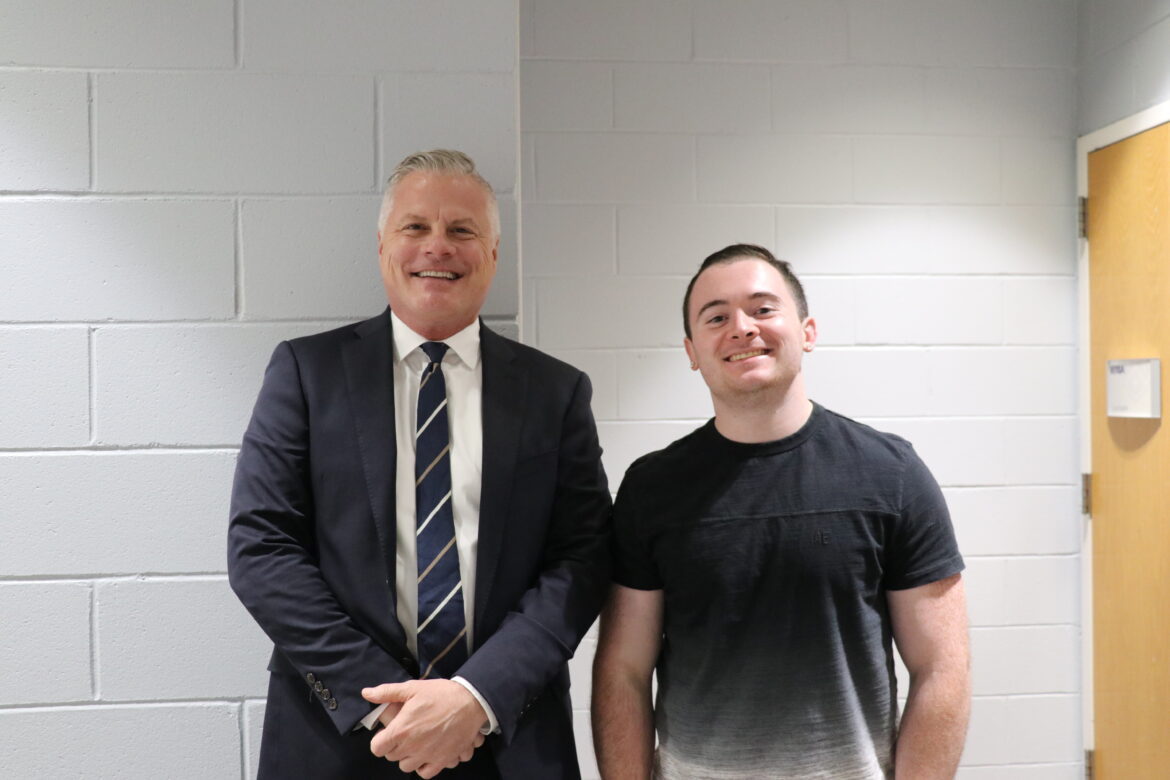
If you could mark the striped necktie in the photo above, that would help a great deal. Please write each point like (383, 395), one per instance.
(442, 627)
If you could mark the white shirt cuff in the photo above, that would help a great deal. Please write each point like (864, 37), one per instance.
(371, 720)
(492, 726)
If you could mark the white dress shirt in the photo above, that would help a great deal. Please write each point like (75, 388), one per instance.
(463, 374)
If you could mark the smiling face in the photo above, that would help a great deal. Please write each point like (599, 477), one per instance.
(437, 252)
(747, 335)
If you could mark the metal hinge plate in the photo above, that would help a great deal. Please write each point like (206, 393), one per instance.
(1086, 494)
(1083, 218)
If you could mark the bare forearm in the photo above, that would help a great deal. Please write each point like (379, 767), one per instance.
(623, 728)
(934, 726)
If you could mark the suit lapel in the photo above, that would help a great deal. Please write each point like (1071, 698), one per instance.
(369, 375)
(504, 389)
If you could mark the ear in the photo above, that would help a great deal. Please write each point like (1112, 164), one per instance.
(690, 348)
(809, 329)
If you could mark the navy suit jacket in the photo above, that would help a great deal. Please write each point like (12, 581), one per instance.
(311, 549)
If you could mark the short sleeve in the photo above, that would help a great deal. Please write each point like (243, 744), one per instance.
(633, 563)
(922, 546)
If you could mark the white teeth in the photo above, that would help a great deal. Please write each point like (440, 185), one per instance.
(745, 355)
(436, 274)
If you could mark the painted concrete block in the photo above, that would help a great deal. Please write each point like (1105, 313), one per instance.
(928, 239)
(922, 32)
(314, 257)
(371, 35)
(253, 730)
(120, 260)
(565, 304)
(692, 97)
(926, 169)
(180, 639)
(763, 31)
(1040, 310)
(1151, 61)
(609, 30)
(1039, 34)
(774, 169)
(115, 513)
(673, 239)
(1004, 381)
(848, 99)
(45, 652)
(1039, 171)
(180, 385)
(503, 298)
(623, 168)
(1024, 730)
(996, 588)
(1105, 87)
(566, 95)
(472, 112)
(1016, 520)
(869, 382)
(832, 302)
(186, 741)
(568, 240)
(1067, 771)
(45, 387)
(1025, 660)
(927, 311)
(45, 117)
(659, 385)
(238, 132)
(119, 34)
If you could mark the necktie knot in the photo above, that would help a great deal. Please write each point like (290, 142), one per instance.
(434, 350)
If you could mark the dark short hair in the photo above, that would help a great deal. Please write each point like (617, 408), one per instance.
(737, 252)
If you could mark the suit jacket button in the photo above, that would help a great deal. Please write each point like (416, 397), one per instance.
(332, 704)
(310, 678)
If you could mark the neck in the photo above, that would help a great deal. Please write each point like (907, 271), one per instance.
(758, 418)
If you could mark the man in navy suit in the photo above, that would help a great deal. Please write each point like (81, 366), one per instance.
(326, 512)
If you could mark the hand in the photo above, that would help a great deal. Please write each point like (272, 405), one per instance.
(436, 726)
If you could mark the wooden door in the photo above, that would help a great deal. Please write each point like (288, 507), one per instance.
(1128, 227)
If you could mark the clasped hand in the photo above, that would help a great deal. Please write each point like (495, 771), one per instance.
(430, 725)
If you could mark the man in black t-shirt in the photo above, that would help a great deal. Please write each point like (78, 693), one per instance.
(765, 565)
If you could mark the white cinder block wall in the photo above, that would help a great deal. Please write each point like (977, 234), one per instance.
(182, 185)
(1123, 60)
(914, 160)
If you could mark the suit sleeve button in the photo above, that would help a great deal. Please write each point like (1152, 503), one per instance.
(310, 678)
(325, 694)
(317, 686)
(332, 704)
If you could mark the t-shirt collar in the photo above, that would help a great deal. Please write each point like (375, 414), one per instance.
(465, 343)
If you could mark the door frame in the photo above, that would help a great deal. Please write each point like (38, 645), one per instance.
(1091, 142)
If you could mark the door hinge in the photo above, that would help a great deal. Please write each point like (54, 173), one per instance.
(1088, 765)
(1083, 217)
(1086, 494)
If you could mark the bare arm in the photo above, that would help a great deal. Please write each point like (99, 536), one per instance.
(623, 716)
(930, 628)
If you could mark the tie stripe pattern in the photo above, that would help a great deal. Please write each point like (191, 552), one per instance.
(442, 627)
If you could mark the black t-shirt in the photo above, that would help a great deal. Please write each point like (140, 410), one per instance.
(774, 560)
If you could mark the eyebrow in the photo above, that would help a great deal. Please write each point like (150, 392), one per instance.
(720, 302)
(420, 218)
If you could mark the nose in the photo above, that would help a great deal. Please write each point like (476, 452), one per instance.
(439, 243)
(743, 326)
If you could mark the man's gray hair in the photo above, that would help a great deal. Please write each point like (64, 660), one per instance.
(447, 161)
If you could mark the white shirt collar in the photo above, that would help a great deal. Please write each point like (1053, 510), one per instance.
(465, 343)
